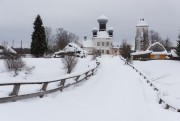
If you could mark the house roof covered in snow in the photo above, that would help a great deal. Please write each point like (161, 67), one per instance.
(156, 49)
(142, 23)
(8, 48)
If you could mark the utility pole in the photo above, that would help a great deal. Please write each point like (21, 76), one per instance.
(21, 48)
(13, 44)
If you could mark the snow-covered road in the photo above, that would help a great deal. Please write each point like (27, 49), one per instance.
(115, 93)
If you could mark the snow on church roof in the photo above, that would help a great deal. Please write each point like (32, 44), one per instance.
(87, 43)
(103, 34)
(142, 23)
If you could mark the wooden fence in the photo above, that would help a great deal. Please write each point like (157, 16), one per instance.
(14, 95)
(161, 101)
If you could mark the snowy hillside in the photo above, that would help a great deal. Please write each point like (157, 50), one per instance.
(115, 93)
(164, 74)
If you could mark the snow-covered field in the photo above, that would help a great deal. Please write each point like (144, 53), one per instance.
(115, 93)
(164, 74)
(46, 69)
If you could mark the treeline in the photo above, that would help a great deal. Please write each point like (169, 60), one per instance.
(45, 41)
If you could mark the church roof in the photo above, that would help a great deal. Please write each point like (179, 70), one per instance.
(103, 34)
(87, 43)
(142, 23)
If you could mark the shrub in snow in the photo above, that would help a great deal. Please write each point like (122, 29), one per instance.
(69, 63)
(16, 64)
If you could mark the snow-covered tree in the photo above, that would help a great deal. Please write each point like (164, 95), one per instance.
(38, 44)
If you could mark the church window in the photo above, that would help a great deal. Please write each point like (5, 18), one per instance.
(102, 51)
(107, 44)
(102, 43)
(98, 43)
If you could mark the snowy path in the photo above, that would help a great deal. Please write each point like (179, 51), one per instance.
(115, 93)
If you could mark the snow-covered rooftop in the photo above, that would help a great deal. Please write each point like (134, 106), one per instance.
(87, 43)
(156, 43)
(174, 54)
(103, 34)
(142, 23)
(149, 51)
(8, 48)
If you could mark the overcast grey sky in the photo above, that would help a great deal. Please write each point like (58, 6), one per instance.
(80, 16)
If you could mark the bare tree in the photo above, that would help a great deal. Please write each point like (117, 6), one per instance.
(125, 49)
(73, 38)
(13, 62)
(154, 37)
(69, 63)
(49, 37)
(167, 44)
(63, 37)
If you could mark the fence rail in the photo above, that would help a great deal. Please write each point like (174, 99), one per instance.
(14, 95)
(161, 101)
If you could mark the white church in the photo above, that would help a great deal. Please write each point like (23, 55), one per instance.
(102, 40)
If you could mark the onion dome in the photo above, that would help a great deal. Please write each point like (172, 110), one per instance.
(110, 29)
(94, 29)
(102, 19)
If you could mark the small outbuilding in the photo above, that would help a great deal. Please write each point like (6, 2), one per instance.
(154, 51)
(7, 49)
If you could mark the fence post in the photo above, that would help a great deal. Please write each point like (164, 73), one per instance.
(77, 78)
(62, 82)
(44, 87)
(86, 75)
(93, 72)
(167, 106)
(15, 90)
(160, 101)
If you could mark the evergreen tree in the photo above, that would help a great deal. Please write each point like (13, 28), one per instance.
(38, 44)
(178, 45)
